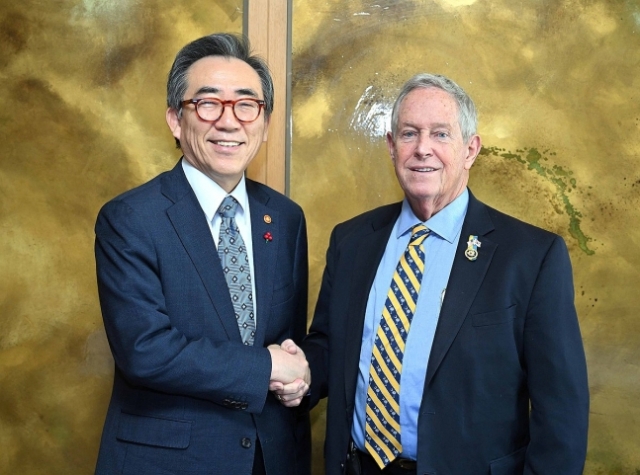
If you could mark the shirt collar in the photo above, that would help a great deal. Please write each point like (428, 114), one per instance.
(446, 223)
(210, 194)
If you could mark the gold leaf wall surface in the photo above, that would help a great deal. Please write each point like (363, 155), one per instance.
(82, 119)
(82, 109)
(557, 87)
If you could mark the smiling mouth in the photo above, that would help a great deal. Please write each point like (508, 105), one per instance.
(226, 143)
(423, 170)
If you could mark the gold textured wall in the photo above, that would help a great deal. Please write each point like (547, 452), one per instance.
(82, 108)
(82, 119)
(557, 84)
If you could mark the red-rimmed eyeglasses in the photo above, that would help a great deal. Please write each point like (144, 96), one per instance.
(210, 109)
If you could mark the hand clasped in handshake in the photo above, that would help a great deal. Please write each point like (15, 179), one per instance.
(290, 374)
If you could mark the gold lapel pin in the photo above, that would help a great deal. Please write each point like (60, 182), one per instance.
(472, 248)
(267, 219)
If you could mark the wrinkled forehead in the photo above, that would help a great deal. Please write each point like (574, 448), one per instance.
(428, 105)
(430, 97)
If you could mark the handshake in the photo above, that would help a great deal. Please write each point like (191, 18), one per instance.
(290, 374)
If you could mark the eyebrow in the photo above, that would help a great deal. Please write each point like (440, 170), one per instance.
(215, 90)
(441, 125)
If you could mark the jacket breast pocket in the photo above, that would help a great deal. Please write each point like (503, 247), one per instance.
(495, 317)
(283, 294)
(154, 431)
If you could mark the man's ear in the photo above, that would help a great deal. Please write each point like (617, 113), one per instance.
(173, 121)
(473, 149)
(391, 145)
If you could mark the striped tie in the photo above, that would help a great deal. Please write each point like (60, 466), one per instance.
(382, 428)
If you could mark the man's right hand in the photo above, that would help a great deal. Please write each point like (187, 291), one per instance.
(290, 374)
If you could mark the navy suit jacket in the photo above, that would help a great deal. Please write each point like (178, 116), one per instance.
(506, 385)
(188, 396)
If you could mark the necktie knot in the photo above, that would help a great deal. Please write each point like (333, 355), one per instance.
(418, 234)
(228, 207)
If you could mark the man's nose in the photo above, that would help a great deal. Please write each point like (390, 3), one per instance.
(228, 118)
(424, 146)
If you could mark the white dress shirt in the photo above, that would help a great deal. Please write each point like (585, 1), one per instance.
(210, 196)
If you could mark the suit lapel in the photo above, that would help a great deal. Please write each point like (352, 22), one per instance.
(190, 224)
(464, 282)
(368, 249)
(264, 255)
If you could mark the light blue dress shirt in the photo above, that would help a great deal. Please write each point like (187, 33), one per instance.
(439, 247)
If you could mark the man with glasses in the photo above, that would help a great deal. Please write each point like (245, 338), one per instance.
(202, 274)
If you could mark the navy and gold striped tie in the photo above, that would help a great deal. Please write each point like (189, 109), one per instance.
(382, 428)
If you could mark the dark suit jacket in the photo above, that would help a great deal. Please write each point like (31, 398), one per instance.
(507, 339)
(188, 396)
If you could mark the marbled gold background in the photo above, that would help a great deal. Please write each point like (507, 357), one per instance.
(557, 84)
(82, 119)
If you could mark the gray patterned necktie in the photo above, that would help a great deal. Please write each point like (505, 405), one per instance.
(235, 265)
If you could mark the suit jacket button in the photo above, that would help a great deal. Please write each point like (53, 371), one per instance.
(246, 442)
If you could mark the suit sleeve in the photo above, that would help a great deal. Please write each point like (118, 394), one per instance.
(316, 344)
(149, 350)
(301, 279)
(556, 371)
